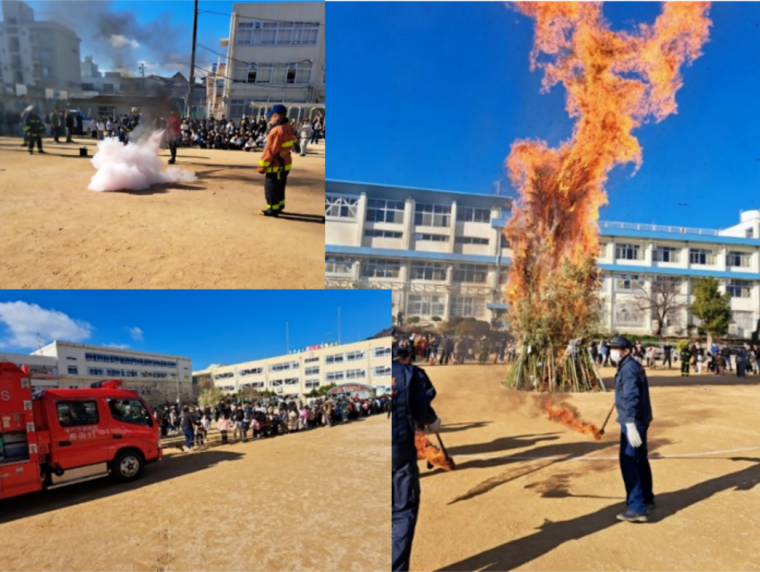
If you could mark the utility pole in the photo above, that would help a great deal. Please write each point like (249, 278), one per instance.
(338, 325)
(189, 102)
(287, 338)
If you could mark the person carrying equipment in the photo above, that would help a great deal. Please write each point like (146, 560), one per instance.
(276, 160)
(410, 406)
(34, 129)
(634, 415)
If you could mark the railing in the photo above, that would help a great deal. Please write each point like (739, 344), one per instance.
(658, 228)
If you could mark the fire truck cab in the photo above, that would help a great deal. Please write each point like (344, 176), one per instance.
(58, 437)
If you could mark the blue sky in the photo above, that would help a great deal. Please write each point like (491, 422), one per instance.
(432, 95)
(172, 20)
(207, 326)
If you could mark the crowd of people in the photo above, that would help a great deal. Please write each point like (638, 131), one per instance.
(446, 350)
(205, 133)
(253, 420)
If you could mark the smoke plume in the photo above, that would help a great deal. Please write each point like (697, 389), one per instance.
(133, 167)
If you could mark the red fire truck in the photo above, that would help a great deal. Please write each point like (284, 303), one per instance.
(57, 437)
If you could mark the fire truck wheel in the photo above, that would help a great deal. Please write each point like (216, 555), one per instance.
(127, 465)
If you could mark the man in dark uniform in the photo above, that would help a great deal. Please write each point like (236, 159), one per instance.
(410, 406)
(132, 122)
(685, 357)
(34, 129)
(634, 415)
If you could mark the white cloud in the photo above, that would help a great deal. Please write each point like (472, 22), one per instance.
(136, 333)
(119, 41)
(29, 325)
(117, 346)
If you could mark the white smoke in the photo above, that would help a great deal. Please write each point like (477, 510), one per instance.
(133, 167)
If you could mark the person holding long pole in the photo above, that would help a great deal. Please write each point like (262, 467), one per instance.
(634, 415)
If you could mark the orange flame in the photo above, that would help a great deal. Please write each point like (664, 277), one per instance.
(569, 417)
(614, 82)
(426, 451)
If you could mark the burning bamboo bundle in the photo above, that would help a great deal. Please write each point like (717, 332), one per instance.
(614, 82)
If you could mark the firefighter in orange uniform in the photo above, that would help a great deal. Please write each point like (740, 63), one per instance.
(276, 160)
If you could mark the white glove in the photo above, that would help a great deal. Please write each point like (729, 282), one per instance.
(633, 435)
(434, 427)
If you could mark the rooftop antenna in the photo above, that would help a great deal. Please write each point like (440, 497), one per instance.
(497, 184)
(39, 341)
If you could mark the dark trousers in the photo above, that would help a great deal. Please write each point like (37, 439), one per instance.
(685, 366)
(741, 369)
(189, 437)
(56, 134)
(274, 190)
(32, 138)
(315, 136)
(173, 148)
(637, 474)
(445, 357)
(666, 360)
(406, 504)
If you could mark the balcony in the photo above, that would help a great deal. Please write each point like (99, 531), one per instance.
(657, 228)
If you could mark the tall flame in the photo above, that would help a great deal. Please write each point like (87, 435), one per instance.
(614, 82)
(571, 418)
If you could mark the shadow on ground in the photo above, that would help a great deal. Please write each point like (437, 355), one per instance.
(550, 535)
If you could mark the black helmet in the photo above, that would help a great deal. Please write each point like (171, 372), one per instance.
(400, 353)
(620, 342)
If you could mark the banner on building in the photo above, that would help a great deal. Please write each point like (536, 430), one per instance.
(20, 89)
(48, 93)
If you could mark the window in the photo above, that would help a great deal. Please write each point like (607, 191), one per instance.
(382, 371)
(335, 358)
(284, 366)
(504, 241)
(130, 411)
(379, 210)
(341, 207)
(734, 258)
(470, 214)
(254, 385)
(94, 371)
(383, 352)
(334, 376)
(744, 320)
(426, 305)
(75, 413)
(381, 234)
(128, 360)
(432, 237)
(224, 375)
(467, 306)
(749, 233)
(73, 370)
(251, 371)
(628, 283)
(432, 215)
(311, 360)
(739, 288)
(356, 373)
(701, 256)
(377, 268)
(271, 73)
(312, 370)
(427, 271)
(472, 273)
(629, 252)
(338, 265)
(277, 33)
(628, 316)
(471, 240)
(354, 356)
(666, 254)
(311, 384)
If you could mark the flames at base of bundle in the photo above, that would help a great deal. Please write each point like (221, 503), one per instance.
(426, 451)
(570, 418)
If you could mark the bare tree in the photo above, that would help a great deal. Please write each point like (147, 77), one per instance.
(663, 300)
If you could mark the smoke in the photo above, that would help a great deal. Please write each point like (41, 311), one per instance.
(133, 167)
(116, 34)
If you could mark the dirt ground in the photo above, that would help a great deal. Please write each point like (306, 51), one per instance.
(530, 494)
(308, 501)
(206, 234)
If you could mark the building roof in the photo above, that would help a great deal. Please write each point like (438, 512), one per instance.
(104, 348)
(401, 193)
